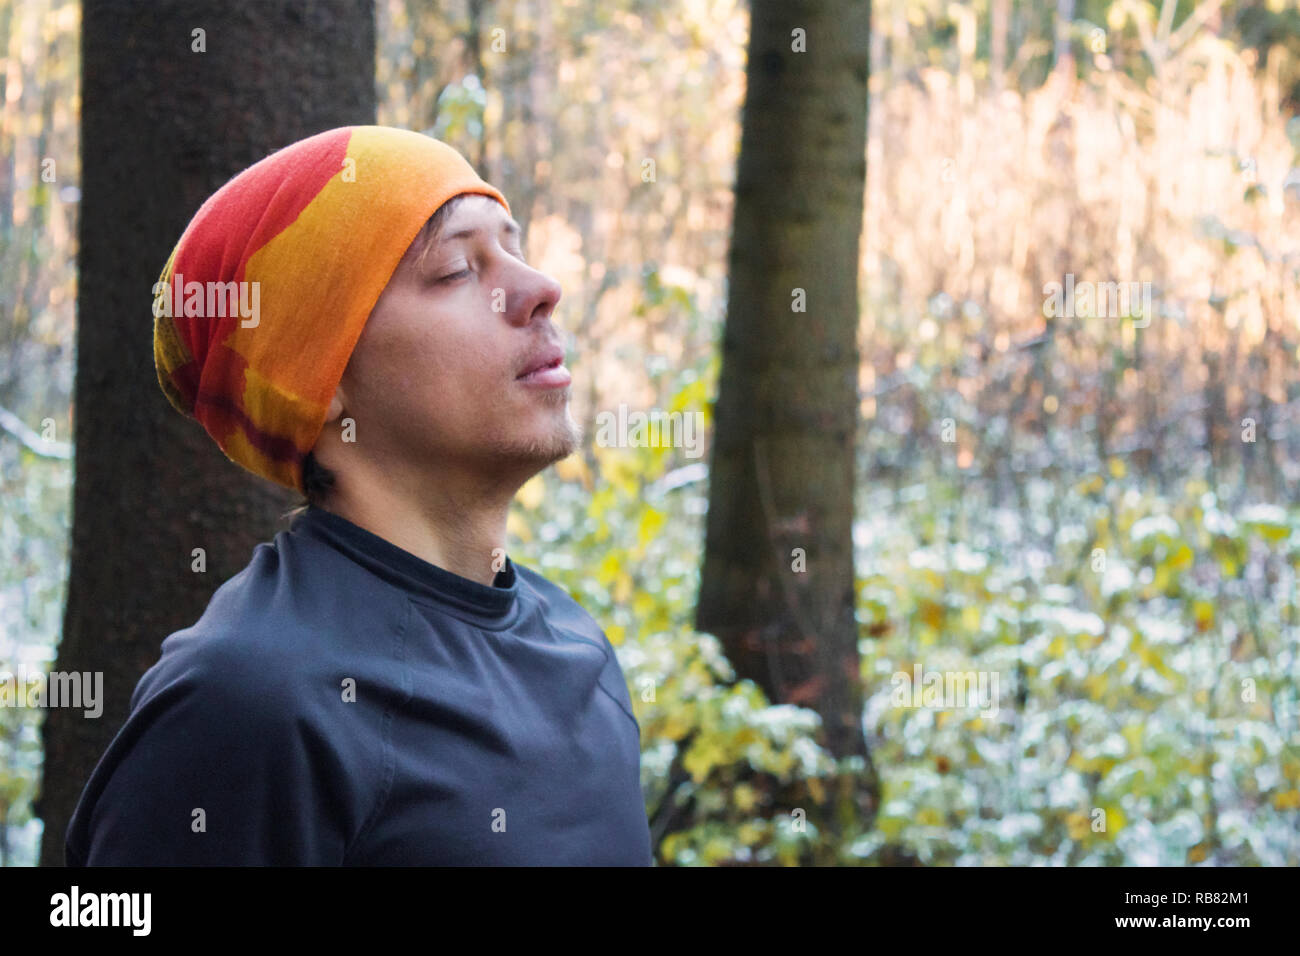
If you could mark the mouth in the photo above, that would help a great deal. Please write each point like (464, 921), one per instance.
(546, 369)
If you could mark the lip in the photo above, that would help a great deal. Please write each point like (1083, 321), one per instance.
(552, 376)
(548, 357)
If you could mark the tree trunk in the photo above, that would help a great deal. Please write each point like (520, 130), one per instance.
(162, 127)
(782, 474)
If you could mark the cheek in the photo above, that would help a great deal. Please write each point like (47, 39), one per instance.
(461, 397)
(454, 360)
(403, 364)
(458, 373)
(466, 362)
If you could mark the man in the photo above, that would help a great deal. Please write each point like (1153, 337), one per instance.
(381, 685)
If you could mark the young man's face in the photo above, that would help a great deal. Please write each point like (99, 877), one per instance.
(435, 379)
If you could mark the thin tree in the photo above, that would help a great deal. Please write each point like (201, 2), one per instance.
(777, 585)
(178, 96)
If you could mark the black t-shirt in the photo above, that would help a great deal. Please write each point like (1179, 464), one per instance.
(344, 702)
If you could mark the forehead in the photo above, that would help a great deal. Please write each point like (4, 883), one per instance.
(468, 214)
(475, 211)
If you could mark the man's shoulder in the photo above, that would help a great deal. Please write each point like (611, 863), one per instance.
(534, 580)
(560, 608)
(294, 593)
(564, 614)
(229, 666)
(278, 624)
(547, 592)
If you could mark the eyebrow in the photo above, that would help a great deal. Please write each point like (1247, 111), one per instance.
(510, 226)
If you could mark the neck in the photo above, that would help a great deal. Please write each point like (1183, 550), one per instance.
(456, 522)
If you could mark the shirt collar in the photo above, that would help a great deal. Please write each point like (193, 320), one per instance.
(417, 577)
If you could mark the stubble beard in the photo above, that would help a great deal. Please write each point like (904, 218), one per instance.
(560, 443)
(545, 449)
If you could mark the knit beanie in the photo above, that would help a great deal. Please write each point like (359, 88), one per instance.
(265, 295)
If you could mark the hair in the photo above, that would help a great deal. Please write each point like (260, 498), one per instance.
(317, 483)
(317, 480)
(428, 235)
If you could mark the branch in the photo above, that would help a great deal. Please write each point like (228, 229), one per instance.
(1189, 26)
(33, 442)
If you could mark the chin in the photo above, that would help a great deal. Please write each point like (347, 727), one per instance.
(551, 443)
(565, 440)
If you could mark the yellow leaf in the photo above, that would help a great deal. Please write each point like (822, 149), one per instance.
(1290, 800)
(618, 468)
(608, 570)
(643, 605)
(932, 613)
(531, 494)
(1079, 825)
(652, 519)
(670, 844)
(676, 725)
(929, 817)
(694, 397)
(1203, 613)
(1163, 578)
(700, 760)
(1095, 685)
(1117, 468)
(1090, 485)
(1273, 532)
(1115, 821)
(616, 634)
(1133, 734)
(715, 849)
(745, 797)
(574, 468)
(517, 526)
(890, 827)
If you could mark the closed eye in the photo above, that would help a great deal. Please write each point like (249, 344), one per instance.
(464, 272)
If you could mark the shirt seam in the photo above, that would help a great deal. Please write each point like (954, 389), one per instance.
(445, 606)
(621, 708)
(389, 754)
(609, 655)
(509, 620)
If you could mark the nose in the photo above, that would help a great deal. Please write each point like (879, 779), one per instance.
(532, 296)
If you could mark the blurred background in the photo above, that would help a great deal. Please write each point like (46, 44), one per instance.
(1103, 511)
